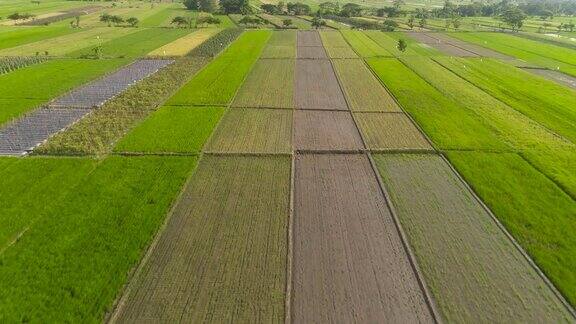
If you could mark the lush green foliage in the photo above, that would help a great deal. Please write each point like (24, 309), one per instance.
(533, 209)
(544, 101)
(11, 63)
(218, 82)
(97, 132)
(389, 41)
(363, 44)
(172, 129)
(71, 262)
(13, 36)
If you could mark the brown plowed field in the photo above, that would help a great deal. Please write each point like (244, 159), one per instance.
(479, 50)
(316, 86)
(222, 256)
(473, 270)
(325, 130)
(390, 132)
(349, 264)
(308, 38)
(253, 131)
(441, 45)
(311, 52)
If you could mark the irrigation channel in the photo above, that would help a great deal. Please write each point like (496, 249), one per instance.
(24, 134)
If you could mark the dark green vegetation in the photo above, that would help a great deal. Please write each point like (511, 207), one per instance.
(216, 44)
(174, 129)
(76, 252)
(9, 64)
(20, 95)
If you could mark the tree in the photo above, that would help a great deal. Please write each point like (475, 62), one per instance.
(106, 18)
(235, 7)
(270, 8)
(298, 9)
(208, 5)
(398, 4)
(287, 23)
(329, 8)
(250, 21)
(401, 45)
(318, 22)
(116, 20)
(77, 21)
(351, 10)
(181, 21)
(132, 21)
(281, 6)
(513, 17)
(191, 4)
(456, 21)
(411, 21)
(422, 22)
(207, 20)
(389, 25)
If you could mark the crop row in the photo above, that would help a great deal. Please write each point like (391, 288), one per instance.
(11, 63)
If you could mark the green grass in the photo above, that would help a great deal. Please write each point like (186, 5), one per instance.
(333, 39)
(544, 101)
(558, 165)
(218, 82)
(364, 45)
(26, 88)
(512, 126)
(535, 211)
(282, 44)
(71, 263)
(532, 52)
(8, 7)
(172, 129)
(15, 36)
(136, 44)
(448, 124)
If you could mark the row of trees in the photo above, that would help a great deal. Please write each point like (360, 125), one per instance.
(223, 6)
(118, 21)
(188, 22)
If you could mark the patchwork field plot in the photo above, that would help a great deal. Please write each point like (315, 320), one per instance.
(545, 102)
(96, 93)
(473, 48)
(448, 124)
(77, 255)
(513, 126)
(316, 86)
(62, 45)
(253, 131)
(184, 45)
(333, 39)
(218, 82)
(18, 95)
(311, 52)
(270, 84)
(358, 269)
(14, 36)
(325, 131)
(28, 132)
(557, 165)
(472, 268)
(308, 38)
(223, 253)
(443, 47)
(341, 52)
(389, 41)
(536, 211)
(362, 89)
(363, 44)
(555, 76)
(172, 129)
(385, 131)
(281, 44)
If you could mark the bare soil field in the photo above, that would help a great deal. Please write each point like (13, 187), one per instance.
(308, 38)
(390, 131)
(316, 86)
(349, 264)
(478, 50)
(253, 131)
(442, 46)
(311, 52)
(270, 84)
(222, 256)
(472, 268)
(325, 130)
(556, 76)
(363, 90)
